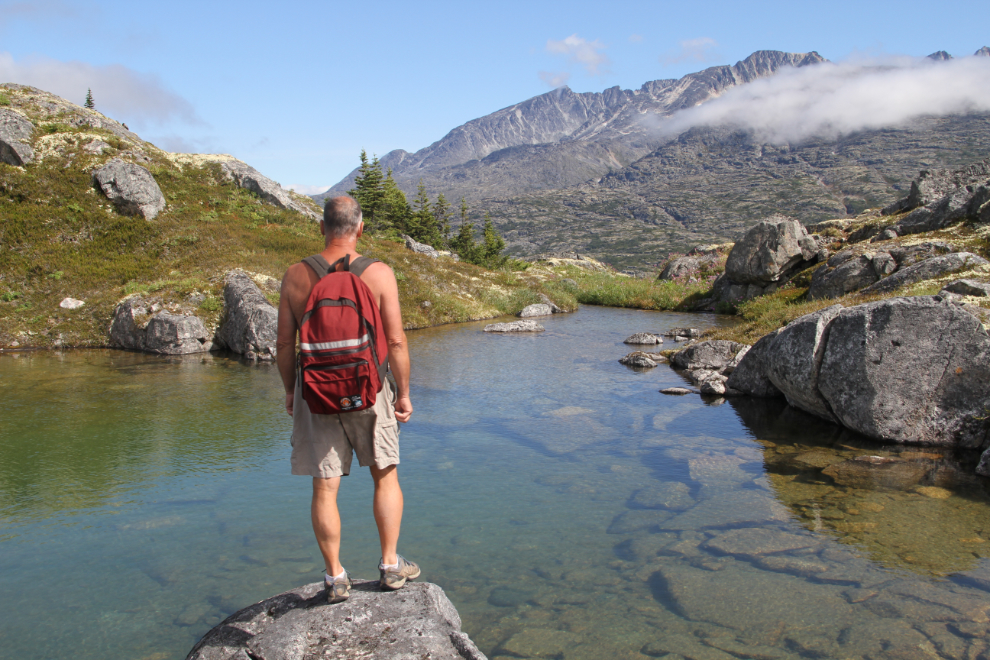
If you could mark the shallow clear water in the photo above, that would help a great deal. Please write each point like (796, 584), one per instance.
(568, 509)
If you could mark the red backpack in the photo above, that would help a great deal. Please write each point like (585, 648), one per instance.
(343, 356)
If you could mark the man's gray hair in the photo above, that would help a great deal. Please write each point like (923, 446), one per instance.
(341, 217)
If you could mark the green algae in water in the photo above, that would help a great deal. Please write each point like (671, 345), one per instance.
(567, 508)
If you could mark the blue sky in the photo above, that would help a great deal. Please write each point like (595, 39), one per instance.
(297, 89)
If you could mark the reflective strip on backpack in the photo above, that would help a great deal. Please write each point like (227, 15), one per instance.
(330, 345)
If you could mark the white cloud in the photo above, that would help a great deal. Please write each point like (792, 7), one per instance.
(555, 78)
(119, 92)
(701, 49)
(581, 51)
(303, 189)
(833, 99)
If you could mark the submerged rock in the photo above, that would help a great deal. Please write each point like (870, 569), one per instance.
(870, 472)
(515, 326)
(250, 323)
(415, 622)
(131, 188)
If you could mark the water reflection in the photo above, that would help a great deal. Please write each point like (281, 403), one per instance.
(920, 508)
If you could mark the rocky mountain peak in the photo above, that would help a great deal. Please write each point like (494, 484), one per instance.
(983, 52)
(940, 56)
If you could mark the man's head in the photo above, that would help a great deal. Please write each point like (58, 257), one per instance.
(341, 218)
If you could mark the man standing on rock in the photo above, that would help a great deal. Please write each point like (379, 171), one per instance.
(323, 444)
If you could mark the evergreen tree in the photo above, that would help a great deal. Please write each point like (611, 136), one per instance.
(422, 222)
(492, 245)
(89, 100)
(463, 244)
(394, 211)
(368, 189)
(441, 213)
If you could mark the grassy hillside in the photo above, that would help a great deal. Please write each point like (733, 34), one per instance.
(60, 237)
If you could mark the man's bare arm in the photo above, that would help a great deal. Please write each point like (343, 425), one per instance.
(398, 349)
(285, 343)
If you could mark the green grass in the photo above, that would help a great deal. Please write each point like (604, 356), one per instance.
(612, 290)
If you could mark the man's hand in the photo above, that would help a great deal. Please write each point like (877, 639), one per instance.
(403, 408)
(289, 396)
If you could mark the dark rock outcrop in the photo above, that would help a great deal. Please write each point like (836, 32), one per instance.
(250, 323)
(926, 270)
(139, 325)
(15, 138)
(416, 622)
(131, 188)
(854, 268)
(269, 191)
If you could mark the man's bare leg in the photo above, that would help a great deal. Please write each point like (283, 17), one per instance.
(388, 510)
(326, 522)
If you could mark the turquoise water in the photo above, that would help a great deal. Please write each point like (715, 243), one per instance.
(568, 509)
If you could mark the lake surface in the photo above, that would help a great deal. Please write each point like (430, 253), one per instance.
(568, 509)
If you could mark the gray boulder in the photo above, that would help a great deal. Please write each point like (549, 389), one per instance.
(250, 323)
(420, 248)
(15, 138)
(640, 360)
(713, 355)
(553, 306)
(851, 275)
(515, 326)
(750, 375)
(269, 191)
(680, 268)
(968, 288)
(539, 309)
(137, 325)
(793, 359)
(713, 387)
(927, 270)
(682, 332)
(911, 370)
(770, 252)
(417, 622)
(643, 339)
(131, 188)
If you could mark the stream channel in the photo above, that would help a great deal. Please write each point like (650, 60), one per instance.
(567, 507)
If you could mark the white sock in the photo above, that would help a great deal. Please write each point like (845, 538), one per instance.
(389, 567)
(331, 578)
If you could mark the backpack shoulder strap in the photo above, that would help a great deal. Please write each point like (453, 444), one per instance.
(318, 264)
(359, 265)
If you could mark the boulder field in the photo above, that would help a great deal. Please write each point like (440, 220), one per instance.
(910, 370)
(248, 326)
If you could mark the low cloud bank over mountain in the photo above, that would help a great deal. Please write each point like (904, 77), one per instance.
(834, 99)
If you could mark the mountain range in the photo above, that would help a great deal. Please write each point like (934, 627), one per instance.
(590, 171)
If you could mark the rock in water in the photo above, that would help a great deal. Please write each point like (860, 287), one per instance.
(515, 326)
(676, 391)
(131, 188)
(713, 355)
(770, 251)
(682, 332)
(539, 309)
(420, 248)
(137, 327)
(750, 375)
(416, 622)
(250, 323)
(793, 359)
(643, 339)
(15, 138)
(913, 370)
(870, 472)
(639, 360)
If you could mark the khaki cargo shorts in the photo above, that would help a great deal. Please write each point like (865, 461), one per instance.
(323, 445)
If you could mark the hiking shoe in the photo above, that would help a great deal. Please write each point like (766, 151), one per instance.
(338, 590)
(395, 578)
